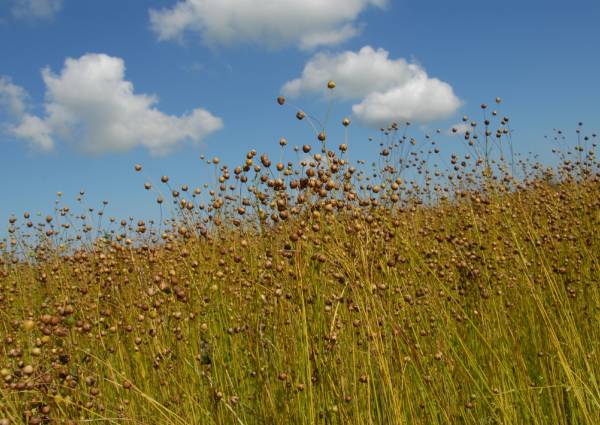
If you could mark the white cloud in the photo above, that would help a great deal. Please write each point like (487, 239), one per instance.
(91, 105)
(329, 38)
(35, 130)
(388, 90)
(420, 99)
(12, 97)
(274, 23)
(36, 9)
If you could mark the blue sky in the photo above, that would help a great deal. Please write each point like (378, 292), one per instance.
(88, 89)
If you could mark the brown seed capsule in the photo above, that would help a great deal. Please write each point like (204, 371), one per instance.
(281, 100)
(331, 84)
(164, 179)
(300, 115)
(138, 167)
(264, 159)
(321, 136)
(346, 122)
(282, 142)
(306, 148)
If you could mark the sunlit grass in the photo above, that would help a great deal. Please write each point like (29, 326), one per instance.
(462, 290)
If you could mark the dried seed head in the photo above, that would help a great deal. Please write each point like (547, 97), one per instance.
(28, 325)
(281, 100)
(138, 167)
(331, 84)
(264, 159)
(346, 122)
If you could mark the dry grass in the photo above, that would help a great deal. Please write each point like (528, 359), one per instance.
(322, 292)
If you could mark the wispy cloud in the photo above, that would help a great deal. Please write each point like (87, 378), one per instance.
(12, 97)
(36, 9)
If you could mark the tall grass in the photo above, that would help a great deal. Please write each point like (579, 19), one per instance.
(319, 292)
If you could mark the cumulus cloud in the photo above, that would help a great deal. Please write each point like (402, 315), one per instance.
(386, 89)
(36, 9)
(274, 23)
(91, 105)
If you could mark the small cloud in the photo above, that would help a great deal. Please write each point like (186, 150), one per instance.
(35, 130)
(36, 9)
(388, 90)
(12, 97)
(329, 38)
(196, 67)
(91, 105)
(306, 24)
